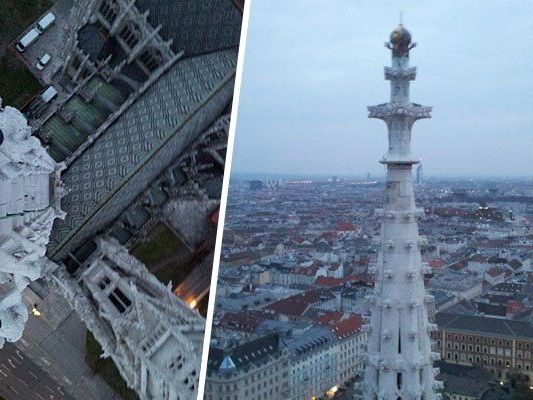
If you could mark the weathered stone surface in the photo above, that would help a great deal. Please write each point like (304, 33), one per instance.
(399, 357)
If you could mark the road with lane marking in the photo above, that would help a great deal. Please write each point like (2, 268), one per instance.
(21, 378)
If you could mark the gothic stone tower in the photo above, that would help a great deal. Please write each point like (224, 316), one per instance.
(30, 199)
(399, 357)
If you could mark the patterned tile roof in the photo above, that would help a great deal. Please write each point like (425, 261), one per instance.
(120, 151)
(196, 26)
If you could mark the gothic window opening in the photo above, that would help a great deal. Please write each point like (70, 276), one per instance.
(122, 297)
(118, 305)
(119, 300)
(130, 35)
(104, 282)
(151, 59)
(84, 73)
(108, 10)
(76, 62)
(399, 341)
(399, 380)
(176, 363)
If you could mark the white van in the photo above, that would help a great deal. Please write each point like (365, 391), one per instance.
(49, 94)
(45, 22)
(27, 39)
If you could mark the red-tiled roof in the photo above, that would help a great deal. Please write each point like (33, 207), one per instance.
(299, 239)
(514, 306)
(346, 226)
(459, 265)
(213, 217)
(495, 272)
(334, 266)
(295, 305)
(329, 281)
(330, 317)
(478, 258)
(242, 322)
(358, 278)
(329, 235)
(347, 327)
(436, 263)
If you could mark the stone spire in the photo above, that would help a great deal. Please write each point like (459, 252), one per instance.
(399, 356)
(30, 192)
(153, 337)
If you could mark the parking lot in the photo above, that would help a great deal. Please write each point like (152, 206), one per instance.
(51, 41)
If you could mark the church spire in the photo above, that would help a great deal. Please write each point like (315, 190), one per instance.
(399, 357)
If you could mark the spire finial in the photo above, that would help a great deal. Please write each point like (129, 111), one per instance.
(401, 17)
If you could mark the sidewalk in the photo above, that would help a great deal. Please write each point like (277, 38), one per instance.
(55, 341)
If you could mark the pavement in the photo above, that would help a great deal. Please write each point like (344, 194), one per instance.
(48, 362)
(21, 378)
(345, 394)
(51, 41)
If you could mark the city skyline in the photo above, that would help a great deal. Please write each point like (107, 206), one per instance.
(295, 118)
(378, 176)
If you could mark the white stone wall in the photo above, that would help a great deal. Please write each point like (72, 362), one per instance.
(30, 193)
(399, 357)
(313, 374)
(154, 338)
(351, 352)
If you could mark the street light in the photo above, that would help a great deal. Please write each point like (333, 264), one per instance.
(35, 311)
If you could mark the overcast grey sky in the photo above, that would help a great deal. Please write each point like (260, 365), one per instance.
(312, 66)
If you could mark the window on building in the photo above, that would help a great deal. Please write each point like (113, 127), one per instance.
(119, 300)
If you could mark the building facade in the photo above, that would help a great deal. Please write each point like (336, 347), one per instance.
(256, 370)
(352, 342)
(314, 363)
(504, 347)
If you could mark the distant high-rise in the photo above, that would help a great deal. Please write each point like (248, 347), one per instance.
(399, 356)
(256, 185)
(419, 174)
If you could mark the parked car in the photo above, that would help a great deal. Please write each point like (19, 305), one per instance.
(45, 22)
(48, 95)
(43, 62)
(27, 39)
